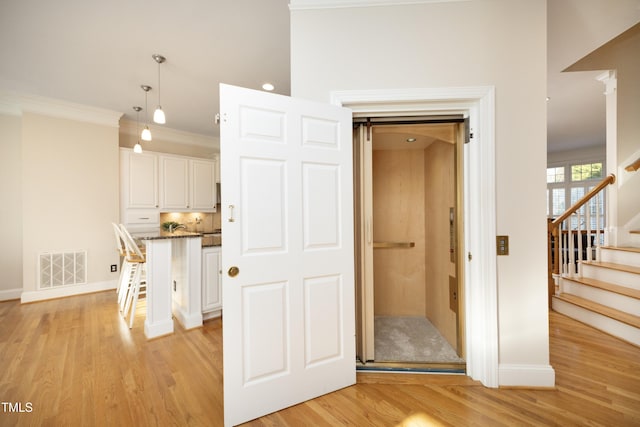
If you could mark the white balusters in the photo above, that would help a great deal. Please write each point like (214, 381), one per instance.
(599, 203)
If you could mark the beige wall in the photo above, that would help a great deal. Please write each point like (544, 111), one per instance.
(70, 193)
(500, 43)
(11, 207)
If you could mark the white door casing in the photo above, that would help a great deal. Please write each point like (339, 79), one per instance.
(287, 221)
(481, 294)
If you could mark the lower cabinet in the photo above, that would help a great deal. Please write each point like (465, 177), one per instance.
(211, 282)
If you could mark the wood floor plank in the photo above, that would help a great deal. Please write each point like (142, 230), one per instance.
(77, 362)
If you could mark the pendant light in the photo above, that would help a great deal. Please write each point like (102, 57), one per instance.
(137, 148)
(158, 115)
(146, 132)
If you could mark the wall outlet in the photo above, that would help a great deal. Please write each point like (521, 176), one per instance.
(114, 268)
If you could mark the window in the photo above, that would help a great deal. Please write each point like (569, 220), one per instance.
(585, 172)
(555, 174)
(562, 193)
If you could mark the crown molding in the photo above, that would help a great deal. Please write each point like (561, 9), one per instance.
(339, 4)
(17, 104)
(9, 108)
(162, 133)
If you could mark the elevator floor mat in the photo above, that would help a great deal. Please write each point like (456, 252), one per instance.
(411, 339)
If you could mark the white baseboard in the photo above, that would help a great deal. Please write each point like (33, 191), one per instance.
(67, 291)
(187, 320)
(212, 314)
(157, 329)
(9, 294)
(526, 376)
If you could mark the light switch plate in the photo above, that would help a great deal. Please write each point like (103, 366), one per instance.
(502, 245)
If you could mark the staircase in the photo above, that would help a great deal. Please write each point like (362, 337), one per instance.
(604, 294)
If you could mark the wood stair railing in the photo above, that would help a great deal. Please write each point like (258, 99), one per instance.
(559, 231)
(633, 166)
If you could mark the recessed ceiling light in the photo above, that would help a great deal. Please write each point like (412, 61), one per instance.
(411, 140)
(268, 86)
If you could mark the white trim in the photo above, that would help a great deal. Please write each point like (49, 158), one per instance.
(338, 4)
(527, 375)
(60, 109)
(10, 294)
(67, 291)
(187, 320)
(481, 295)
(161, 133)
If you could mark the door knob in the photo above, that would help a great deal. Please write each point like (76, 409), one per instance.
(233, 271)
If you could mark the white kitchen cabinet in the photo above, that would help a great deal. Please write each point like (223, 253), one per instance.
(174, 183)
(151, 183)
(139, 175)
(211, 282)
(187, 184)
(203, 185)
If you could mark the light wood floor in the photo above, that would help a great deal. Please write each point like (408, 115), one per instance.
(78, 364)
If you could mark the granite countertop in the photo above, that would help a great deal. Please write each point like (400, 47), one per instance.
(161, 234)
(209, 239)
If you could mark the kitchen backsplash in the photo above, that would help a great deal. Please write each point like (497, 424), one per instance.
(194, 221)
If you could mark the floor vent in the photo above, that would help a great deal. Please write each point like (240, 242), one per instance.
(62, 269)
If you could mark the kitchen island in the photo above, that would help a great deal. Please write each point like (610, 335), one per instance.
(173, 265)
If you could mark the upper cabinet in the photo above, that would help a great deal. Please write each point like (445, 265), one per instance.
(174, 183)
(139, 174)
(187, 184)
(203, 185)
(153, 182)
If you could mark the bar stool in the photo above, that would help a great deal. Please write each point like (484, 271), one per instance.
(125, 268)
(136, 262)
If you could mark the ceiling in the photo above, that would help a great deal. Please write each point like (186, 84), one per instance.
(98, 53)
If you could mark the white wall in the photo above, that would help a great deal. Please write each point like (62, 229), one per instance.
(499, 43)
(10, 207)
(69, 192)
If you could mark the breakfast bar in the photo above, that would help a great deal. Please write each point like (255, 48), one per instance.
(173, 268)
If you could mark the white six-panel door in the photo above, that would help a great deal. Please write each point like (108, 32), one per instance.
(287, 222)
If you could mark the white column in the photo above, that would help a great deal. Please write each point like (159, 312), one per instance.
(608, 78)
(158, 265)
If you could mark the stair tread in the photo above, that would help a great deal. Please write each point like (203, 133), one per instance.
(614, 266)
(618, 289)
(612, 313)
(623, 248)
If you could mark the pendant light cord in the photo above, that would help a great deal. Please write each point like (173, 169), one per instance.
(159, 103)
